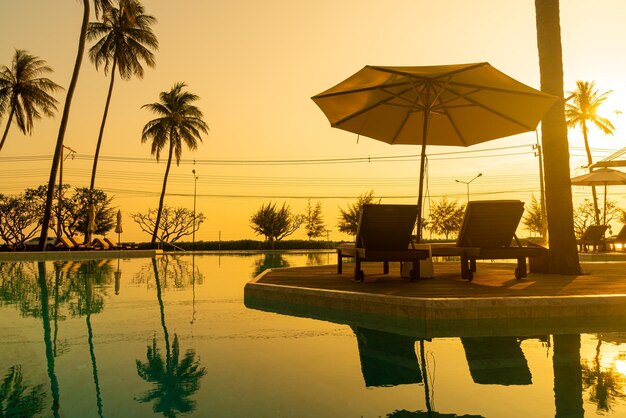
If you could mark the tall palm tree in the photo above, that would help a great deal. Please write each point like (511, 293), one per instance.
(25, 92)
(583, 111)
(563, 256)
(180, 121)
(124, 40)
(99, 5)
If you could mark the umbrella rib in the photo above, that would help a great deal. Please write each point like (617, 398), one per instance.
(501, 90)
(492, 110)
(359, 90)
(365, 109)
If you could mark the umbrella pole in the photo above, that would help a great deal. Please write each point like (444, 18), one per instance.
(604, 223)
(421, 177)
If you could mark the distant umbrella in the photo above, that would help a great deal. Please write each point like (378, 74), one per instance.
(601, 177)
(118, 225)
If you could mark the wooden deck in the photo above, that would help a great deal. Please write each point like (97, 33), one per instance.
(598, 296)
(491, 280)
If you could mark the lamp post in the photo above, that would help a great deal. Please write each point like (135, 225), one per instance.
(467, 183)
(195, 181)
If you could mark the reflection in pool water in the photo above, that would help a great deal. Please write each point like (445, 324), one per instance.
(172, 337)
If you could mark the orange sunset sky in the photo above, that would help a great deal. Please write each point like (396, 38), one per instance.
(255, 66)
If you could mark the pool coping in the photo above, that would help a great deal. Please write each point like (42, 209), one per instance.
(440, 308)
(76, 255)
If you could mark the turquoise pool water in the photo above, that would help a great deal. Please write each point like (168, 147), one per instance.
(172, 337)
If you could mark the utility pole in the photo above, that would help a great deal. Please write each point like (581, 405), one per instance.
(195, 180)
(70, 153)
(542, 200)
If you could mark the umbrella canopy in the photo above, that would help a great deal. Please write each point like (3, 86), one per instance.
(118, 224)
(461, 105)
(601, 177)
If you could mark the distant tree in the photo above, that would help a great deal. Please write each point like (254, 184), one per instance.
(274, 223)
(445, 217)
(179, 121)
(349, 218)
(533, 217)
(23, 92)
(175, 223)
(583, 111)
(124, 39)
(313, 222)
(76, 211)
(584, 215)
(622, 216)
(20, 219)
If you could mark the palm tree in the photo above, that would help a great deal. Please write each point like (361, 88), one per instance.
(563, 256)
(180, 121)
(23, 91)
(584, 111)
(99, 5)
(125, 39)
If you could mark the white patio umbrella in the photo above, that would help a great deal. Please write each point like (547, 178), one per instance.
(460, 105)
(601, 177)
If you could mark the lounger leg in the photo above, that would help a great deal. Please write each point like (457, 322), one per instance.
(358, 273)
(472, 265)
(339, 262)
(415, 272)
(520, 271)
(466, 271)
(385, 267)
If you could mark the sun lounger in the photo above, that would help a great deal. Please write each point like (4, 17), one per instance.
(618, 239)
(593, 237)
(496, 361)
(79, 246)
(112, 245)
(383, 234)
(387, 359)
(100, 244)
(487, 232)
(64, 243)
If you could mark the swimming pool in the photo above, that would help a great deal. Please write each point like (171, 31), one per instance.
(171, 336)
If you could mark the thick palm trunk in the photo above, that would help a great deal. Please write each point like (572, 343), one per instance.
(58, 150)
(6, 130)
(596, 211)
(563, 255)
(98, 144)
(167, 172)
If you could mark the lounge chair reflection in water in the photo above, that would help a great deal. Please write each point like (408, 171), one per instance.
(487, 232)
(383, 234)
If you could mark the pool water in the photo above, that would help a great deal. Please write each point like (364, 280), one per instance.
(171, 336)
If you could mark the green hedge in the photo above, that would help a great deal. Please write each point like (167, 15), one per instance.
(246, 245)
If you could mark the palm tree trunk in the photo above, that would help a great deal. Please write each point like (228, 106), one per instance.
(563, 255)
(101, 133)
(98, 144)
(167, 172)
(58, 150)
(596, 211)
(6, 130)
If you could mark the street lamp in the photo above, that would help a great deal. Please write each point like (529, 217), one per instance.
(195, 181)
(467, 183)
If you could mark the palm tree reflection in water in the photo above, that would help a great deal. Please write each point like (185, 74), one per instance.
(175, 379)
(604, 385)
(17, 399)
